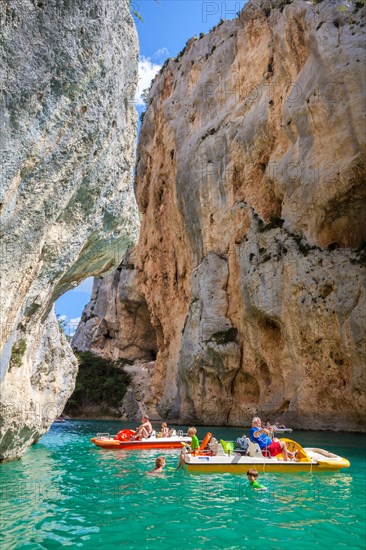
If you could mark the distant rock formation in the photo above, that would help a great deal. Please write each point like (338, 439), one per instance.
(69, 74)
(250, 181)
(116, 322)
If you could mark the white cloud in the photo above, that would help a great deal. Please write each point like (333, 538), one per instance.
(147, 71)
(62, 317)
(148, 68)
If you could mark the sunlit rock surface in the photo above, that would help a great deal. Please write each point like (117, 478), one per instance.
(68, 72)
(251, 184)
(116, 322)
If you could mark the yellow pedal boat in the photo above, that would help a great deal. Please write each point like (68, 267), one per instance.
(309, 459)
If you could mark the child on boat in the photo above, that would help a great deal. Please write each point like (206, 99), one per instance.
(159, 465)
(252, 478)
(195, 444)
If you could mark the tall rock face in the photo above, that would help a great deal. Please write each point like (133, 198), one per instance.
(69, 72)
(116, 322)
(251, 184)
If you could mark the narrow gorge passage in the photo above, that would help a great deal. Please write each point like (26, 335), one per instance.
(250, 185)
(183, 269)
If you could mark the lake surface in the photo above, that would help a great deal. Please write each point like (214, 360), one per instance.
(65, 492)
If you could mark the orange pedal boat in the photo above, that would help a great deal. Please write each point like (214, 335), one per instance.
(123, 441)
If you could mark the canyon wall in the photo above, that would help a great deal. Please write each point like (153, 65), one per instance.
(250, 264)
(69, 74)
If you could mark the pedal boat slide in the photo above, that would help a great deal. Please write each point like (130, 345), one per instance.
(123, 441)
(309, 460)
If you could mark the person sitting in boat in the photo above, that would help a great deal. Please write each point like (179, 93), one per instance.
(195, 444)
(165, 430)
(279, 425)
(143, 431)
(262, 437)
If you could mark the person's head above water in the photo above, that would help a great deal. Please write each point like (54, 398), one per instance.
(252, 473)
(160, 462)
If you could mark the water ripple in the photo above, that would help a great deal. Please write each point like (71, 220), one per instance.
(64, 492)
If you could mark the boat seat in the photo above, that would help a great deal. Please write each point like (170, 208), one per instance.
(216, 448)
(254, 450)
(220, 450)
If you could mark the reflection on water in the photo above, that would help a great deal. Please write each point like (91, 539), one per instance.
(66, 492)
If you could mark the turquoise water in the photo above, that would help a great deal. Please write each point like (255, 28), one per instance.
(66, 492)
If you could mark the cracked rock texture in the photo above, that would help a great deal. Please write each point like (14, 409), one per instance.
(251, 184)
(68, 72)
(116, 322)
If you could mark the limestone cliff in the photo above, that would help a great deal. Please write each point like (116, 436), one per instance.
(251, 184)
(68, 72)
(116, 322)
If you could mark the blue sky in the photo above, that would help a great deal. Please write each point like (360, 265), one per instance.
(166, 27)
(170, 23)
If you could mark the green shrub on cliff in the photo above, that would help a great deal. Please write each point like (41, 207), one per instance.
(360, 255)
(100, 387)
(225, 336)
(17, 353)
(135, 12)
(274, 222)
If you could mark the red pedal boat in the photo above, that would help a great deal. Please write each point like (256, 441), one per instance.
(123, 441)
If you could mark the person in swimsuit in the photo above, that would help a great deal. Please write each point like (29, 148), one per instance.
(159, 465)
(145, 430)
